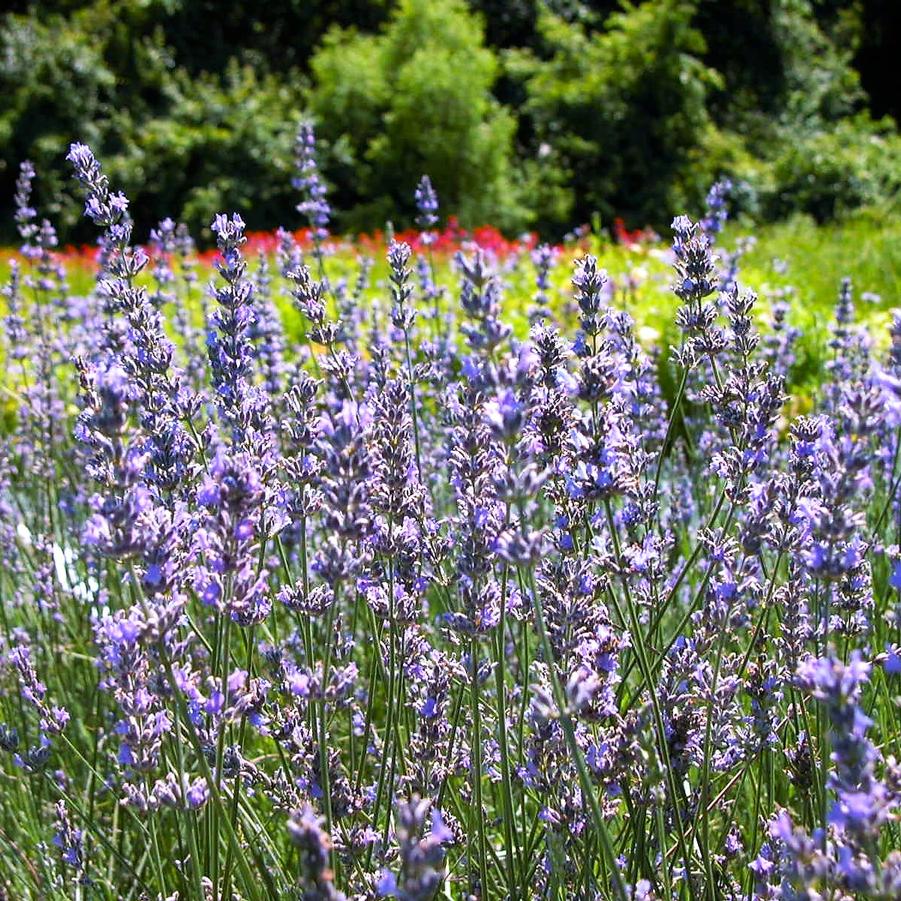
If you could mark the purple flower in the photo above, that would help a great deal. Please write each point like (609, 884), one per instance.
(426, 203)
(308, 181)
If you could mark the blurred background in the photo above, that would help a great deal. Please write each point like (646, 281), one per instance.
(527, 114)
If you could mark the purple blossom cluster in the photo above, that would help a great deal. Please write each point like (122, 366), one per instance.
(320, 586)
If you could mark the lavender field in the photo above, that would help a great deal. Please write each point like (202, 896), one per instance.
(431, 576)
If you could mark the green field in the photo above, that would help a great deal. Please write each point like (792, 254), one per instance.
(796, 260)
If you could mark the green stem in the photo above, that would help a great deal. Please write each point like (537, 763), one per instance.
(569, 734)
(476, 747)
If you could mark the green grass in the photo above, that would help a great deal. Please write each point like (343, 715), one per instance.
(866, 248)
(796, 256)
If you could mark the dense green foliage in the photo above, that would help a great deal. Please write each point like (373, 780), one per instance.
(416, 98)
(610, 106)
(530, 113)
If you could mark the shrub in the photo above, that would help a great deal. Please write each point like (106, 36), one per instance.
(622, 110)
(827, 173)
(416, 98)
(221, 142)
(220, 138)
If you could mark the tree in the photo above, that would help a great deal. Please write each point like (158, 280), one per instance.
(415, 99)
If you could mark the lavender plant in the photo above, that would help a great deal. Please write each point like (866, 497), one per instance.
(324, 584)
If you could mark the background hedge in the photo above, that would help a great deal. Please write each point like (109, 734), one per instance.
(526, 113)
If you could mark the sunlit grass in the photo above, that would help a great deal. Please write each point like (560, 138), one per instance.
(797, 260)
